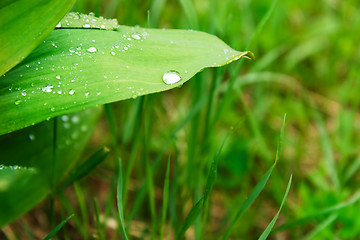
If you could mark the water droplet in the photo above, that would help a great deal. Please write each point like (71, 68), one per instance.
(47, 89)
(71, 92)
(52, 109)
(17, 102)
(57, 77)
(136, 36)
(58, 25)
(171, 77)
(65, 118)
(75, 119)
(84, 128)
(72, 49)
(87, 94)
(86, 25)
(91, 49)
(23, 93)
(31, 137)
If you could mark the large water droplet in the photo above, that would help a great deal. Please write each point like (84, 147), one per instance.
(171, 77)
(91, 49)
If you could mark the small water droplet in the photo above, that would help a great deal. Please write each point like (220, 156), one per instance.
(71, 92)
(65, 118)
(58, 25)
(52, 109)
(32, 137)
(171, 77)
(72, 49)
(57, 77)
(17, 102)
(87, 94)
(75, 119)
(84, 128)
(86, 25)
(23, 93)
(91, 49)
(47, 89)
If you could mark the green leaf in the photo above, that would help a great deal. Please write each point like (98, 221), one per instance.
(210, 181)
(57, 228)
(30, 151)
(78, 68)
(259, 186)
(24, 24)
(268, 229)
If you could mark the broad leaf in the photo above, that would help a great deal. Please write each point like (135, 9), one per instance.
(75, 69)
(27, 165)
(24, 24)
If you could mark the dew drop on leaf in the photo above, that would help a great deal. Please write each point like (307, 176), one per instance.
(71, 92)
(47, 89)
(171, 77)
(91, 49)
(136, 36)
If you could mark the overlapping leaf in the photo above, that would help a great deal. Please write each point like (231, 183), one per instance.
(28, 165)
(24, 24)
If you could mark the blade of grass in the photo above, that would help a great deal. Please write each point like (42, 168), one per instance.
(321, 226)
(352, 169)
(156, 9)
(65, 202)
(165, 199)
(53, 172)
(57, 228)
(83, 209)
(327, 150)
(148, 170)
(192, 113)
(190, 13)
(196, 210)
(235, 72)
(97, 220)
(267, 231)
(355, 198)
(111, 121)
(86, 167)
(259, 187)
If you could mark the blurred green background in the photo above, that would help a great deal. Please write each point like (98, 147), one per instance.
(308, 55)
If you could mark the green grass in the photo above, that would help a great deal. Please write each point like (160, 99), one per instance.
(307, 67)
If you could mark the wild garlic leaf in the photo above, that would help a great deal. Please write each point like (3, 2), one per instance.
(24, 24)
(80, 20)
(75, 69)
